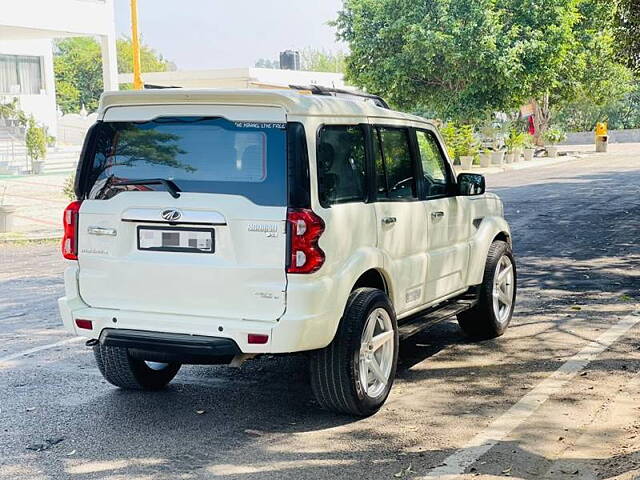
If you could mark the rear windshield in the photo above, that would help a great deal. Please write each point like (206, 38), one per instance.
(204, 155)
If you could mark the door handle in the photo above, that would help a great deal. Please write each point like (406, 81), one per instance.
(111, 232)
(437, 215)
(389, 220)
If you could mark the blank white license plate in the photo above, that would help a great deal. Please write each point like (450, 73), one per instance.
(178, 239)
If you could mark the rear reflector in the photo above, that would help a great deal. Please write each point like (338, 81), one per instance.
(86, 324)
(258, 338)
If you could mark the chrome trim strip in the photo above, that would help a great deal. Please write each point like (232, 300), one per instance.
(111, 232)
(191, 217)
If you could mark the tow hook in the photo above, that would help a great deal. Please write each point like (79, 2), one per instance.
(92, 342)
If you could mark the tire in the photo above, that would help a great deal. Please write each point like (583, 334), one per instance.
(485, 320)
(124, 371)
(338, 369)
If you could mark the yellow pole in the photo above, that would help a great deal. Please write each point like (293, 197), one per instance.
(135, 42)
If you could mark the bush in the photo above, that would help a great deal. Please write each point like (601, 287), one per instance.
(68, 188)
(554, 136)
(36, 141)
(459, 140)
(448, 132)
(515, 139)
(467, 145)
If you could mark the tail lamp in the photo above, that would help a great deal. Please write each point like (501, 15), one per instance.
(305, 228)
(70, 238)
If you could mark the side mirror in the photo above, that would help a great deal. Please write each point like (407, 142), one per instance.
(470, 184)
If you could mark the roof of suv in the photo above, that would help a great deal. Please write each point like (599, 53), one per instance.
(293, 102)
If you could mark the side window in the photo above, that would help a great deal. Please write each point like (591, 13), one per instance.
(341, 165)
(436, 175)
(395, 178)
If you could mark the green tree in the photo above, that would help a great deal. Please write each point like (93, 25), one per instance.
(628, 33)
(77, 66)
(464, 59)
(453, 56)
(150, 60)
(267, 63)
(320, 60)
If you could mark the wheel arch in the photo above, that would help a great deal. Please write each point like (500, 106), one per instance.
(490, 229)
(504, 236)
(373, 278)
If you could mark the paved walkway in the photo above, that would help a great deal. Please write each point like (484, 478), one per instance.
(39, 203)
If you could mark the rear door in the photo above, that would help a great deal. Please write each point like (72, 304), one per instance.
(402, 227)
(448, 227)
(219, 248)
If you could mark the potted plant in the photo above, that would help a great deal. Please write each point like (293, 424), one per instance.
(36, 141)
(6, 212)
(519, 146)
(467, 146)
(510, 141)
(485, 157)
(529, 147)
(491, 153)
(449, 134)
(497, 156)
(514, 141)
(552, 137)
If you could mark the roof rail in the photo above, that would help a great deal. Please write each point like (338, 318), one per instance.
(341, 93)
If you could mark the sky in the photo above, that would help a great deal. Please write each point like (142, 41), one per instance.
(202, 34)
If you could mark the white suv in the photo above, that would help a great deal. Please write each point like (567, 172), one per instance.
(212, 226)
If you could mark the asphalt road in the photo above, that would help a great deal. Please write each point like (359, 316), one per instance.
(521, 406)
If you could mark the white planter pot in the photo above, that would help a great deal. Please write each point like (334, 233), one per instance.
(509, 157)
(466, 161)
(528, 154)
(6, 218)
(497, 158)
(518, 154)
(485, 160)
(36, 166)
(552, 152)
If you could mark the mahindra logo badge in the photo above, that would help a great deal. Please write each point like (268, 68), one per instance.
(171, 215)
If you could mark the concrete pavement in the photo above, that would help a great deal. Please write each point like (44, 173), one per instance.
(575, 231)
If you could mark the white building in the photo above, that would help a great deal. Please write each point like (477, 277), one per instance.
(27, 28)
(239, 78)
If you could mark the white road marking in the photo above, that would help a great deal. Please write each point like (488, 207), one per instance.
(15, 356)
(455, 465)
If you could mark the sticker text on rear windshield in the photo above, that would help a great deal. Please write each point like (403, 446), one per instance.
(281, 126)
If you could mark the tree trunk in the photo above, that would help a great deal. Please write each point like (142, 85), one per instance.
(541, 118)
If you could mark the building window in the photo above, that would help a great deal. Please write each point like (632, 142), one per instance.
(20, 74)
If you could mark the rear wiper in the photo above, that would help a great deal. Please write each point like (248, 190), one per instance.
(171, 187)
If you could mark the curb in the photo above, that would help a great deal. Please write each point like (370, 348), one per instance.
(39, 238)
(538, 162)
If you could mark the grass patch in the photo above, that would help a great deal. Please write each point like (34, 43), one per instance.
(19, 239)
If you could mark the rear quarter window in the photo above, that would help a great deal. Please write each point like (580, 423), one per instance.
(341, 160)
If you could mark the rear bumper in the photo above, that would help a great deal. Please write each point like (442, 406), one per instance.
(174, 343)
(168, 347)
(295, 331)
